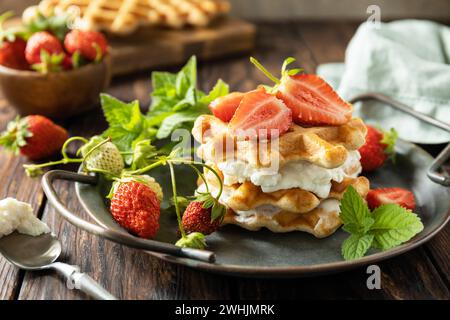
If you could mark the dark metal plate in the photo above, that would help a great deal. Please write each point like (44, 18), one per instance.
(264, 253)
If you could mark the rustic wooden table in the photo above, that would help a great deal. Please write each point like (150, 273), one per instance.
(423, 273)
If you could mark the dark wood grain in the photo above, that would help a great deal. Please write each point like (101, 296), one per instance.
(132, 274)
(14, 183)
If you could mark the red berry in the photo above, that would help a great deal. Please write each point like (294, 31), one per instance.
(224, 107)
(42, 41)
(402, 197)
(313, 101)
(198, 219)
(12, 54)
(373, 153)
(258, 114)
(88, 43)
(35, 136)
(135, 206)
(67, 62)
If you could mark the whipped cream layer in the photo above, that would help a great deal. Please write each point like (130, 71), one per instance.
(296, 174)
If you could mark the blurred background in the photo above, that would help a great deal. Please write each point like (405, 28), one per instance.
(314, 9)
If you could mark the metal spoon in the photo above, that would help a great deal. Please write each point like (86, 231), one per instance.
(39, 253)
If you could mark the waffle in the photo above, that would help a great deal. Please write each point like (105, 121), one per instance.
(246, 196)
(321, 222)
(125, 16)
(323, 146)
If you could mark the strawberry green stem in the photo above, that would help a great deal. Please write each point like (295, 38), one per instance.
(175, 200)
(67, 142)
(185, 161)
(96, 147)
(35, 167)
(147, 168)
(264, 70)
(200, 175)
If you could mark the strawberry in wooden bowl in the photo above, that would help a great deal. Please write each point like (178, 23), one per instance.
(48, 69)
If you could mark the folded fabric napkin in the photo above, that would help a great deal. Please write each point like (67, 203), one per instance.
(408, 60)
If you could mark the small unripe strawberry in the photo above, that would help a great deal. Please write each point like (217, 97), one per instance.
(105, 157)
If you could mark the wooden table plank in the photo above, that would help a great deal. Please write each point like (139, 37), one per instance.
(400, 279)
(14, 183)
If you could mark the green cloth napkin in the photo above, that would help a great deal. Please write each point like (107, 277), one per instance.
(408, 60)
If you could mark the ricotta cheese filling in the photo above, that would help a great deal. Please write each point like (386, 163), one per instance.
(329, 205)
(296, 174)
(17, 215)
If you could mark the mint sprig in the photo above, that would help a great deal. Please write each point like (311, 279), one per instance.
(386, 227)
(176, 103)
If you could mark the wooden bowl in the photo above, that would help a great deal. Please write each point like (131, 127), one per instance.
(56, 95)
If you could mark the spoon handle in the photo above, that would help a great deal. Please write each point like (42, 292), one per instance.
(81, 281)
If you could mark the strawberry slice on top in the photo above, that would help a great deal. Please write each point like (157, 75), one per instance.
(311, 100)
(258, 114)
(224, 107)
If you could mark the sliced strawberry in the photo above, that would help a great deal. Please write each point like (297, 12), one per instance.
(259, 110)
(224, 107)
(402, 197)
(313, 101)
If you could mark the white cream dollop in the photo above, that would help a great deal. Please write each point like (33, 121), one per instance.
(296, 174)
(17, 215)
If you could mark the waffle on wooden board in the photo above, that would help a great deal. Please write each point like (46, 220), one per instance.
(125, 16)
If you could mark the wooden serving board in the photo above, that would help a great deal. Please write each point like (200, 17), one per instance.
(149, 48)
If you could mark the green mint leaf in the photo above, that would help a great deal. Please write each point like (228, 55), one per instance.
(187, 77)
(174, 121)
(354, 212)
(220, 89)
(144, 154)
(127, 125)
(394, 225)
(121, 114)
(163, 83)
(356, 246)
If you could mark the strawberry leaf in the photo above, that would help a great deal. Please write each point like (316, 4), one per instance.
(390, 139)
(195, 240)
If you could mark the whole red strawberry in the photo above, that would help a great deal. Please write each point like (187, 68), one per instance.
(402, 197)
(91, 45)
(36, 137)
(378, 147)
(12, 47)
(135, 206)
(198, 219)
(12, 54)
(42, 41)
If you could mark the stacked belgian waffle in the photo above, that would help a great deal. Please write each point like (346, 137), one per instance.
(315, 166)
